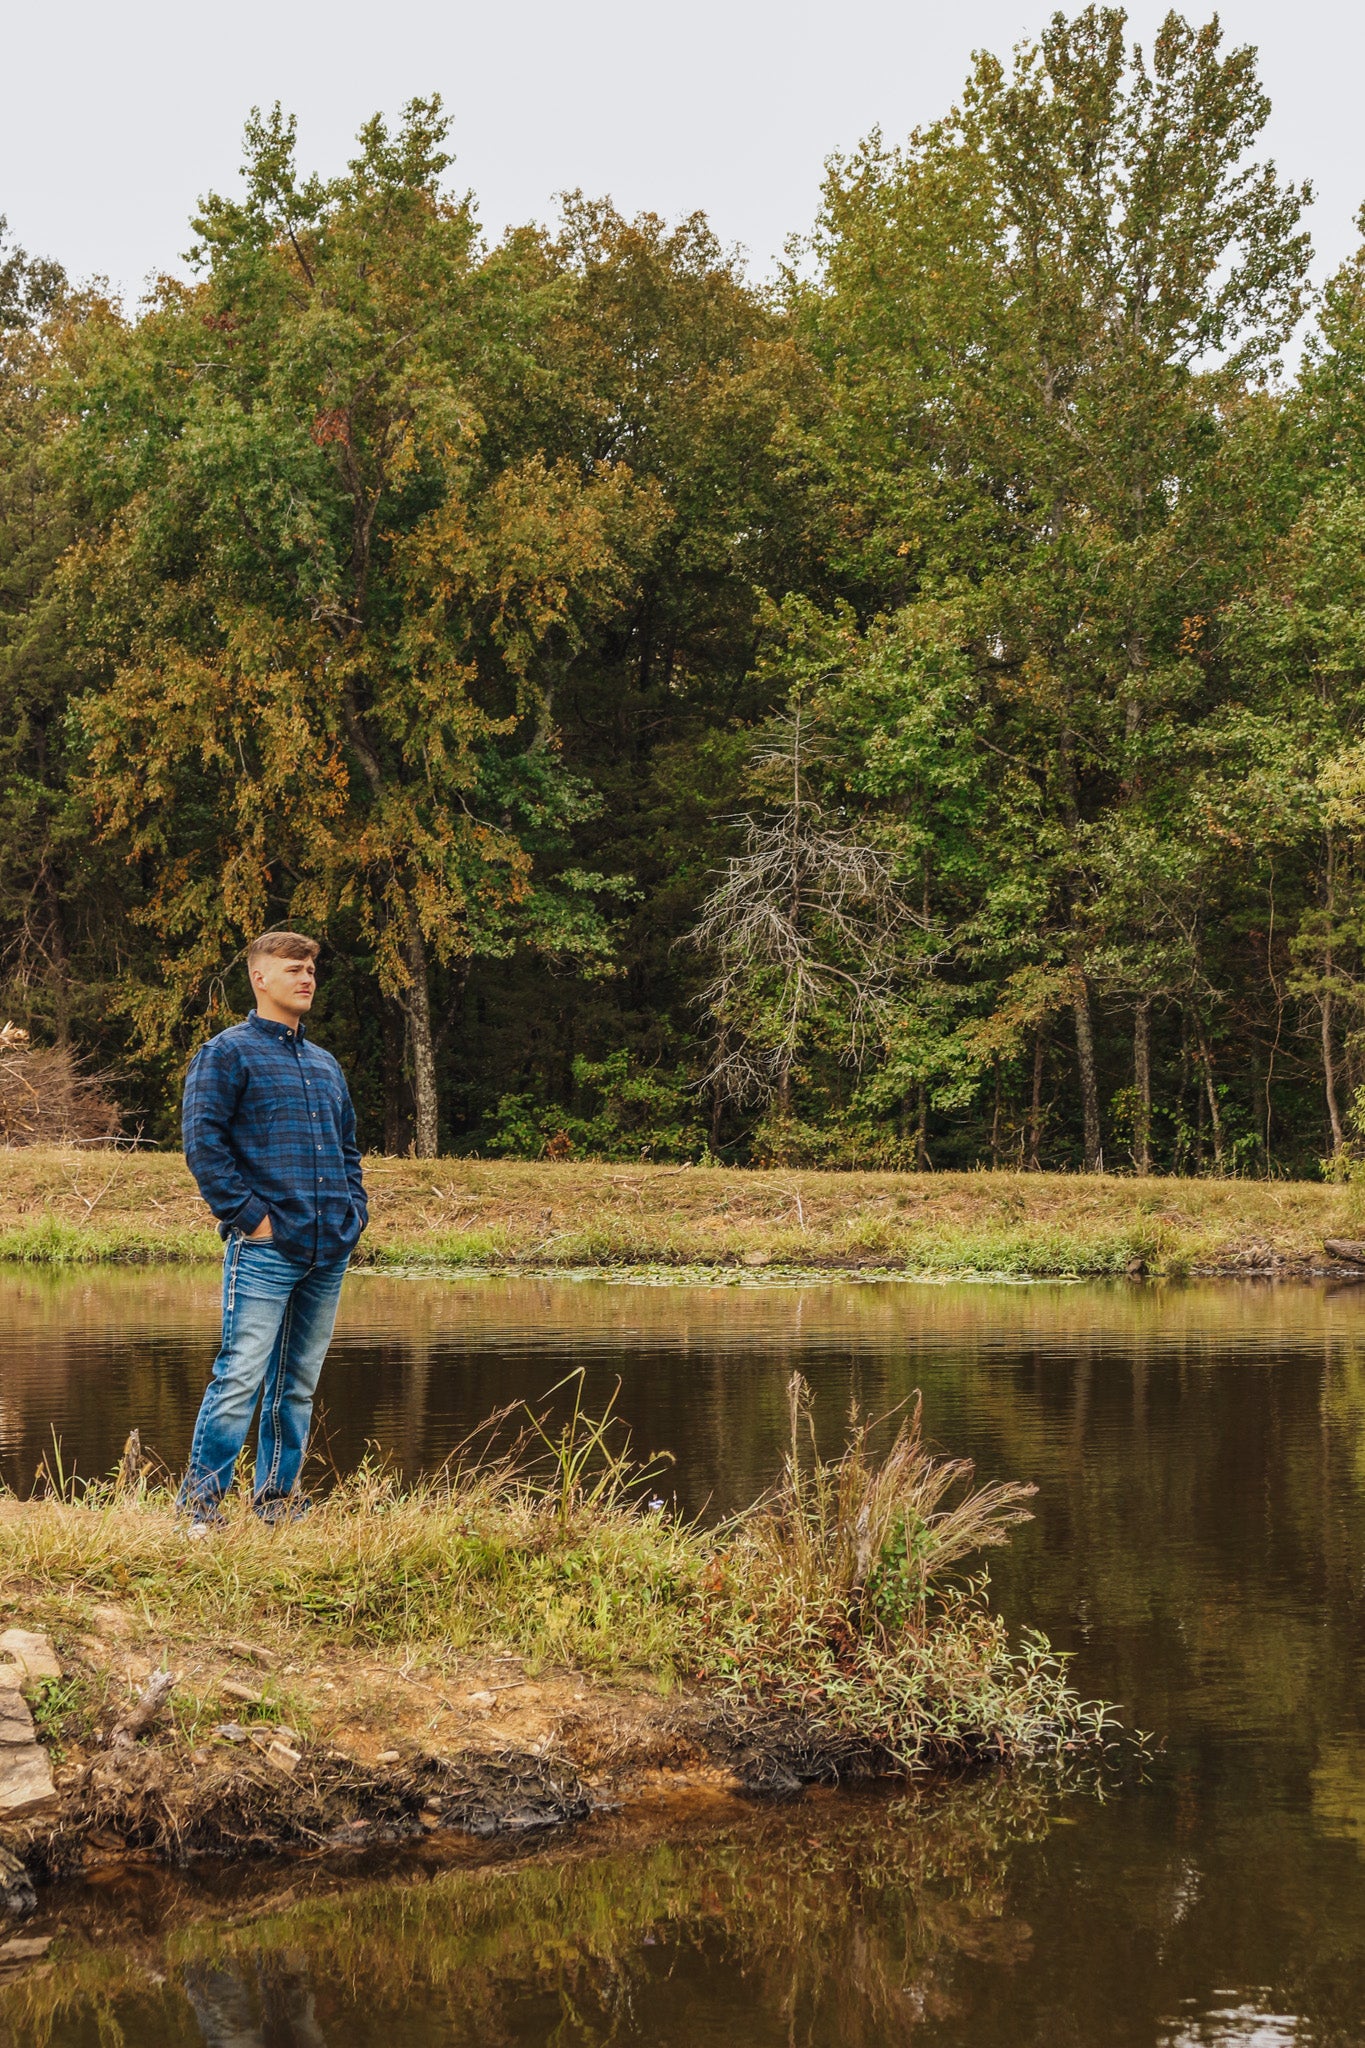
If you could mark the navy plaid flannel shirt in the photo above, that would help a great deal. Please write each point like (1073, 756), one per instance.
(269, 1131)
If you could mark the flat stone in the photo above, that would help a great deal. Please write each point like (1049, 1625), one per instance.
(11, 1677)
(16, 1722)
(249, 1695)
(25, 1779)
(17, 1896)
(33, 1651)
(24, 1948)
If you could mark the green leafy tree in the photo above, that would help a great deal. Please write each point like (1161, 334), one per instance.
(63, 922)
(1038, 316)
(326, 601)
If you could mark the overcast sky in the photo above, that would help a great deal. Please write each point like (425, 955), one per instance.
(118, 116)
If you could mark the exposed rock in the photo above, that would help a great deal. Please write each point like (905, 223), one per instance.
(20, 1953)
(32, 1652)
(17, 1896)
(25, 1774)
(112, 1619)
(25, 1779)
(1349, 1249)
(16, 1722)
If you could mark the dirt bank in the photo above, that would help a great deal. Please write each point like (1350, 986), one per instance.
(64, 1205)
(352, 1751)
(258, 1752)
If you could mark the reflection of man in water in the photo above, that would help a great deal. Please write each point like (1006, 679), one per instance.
(270, 1137)
(276, 2011)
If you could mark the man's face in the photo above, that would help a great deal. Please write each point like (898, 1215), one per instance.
(288, 985)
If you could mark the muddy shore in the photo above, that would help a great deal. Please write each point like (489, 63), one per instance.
(397, 1751)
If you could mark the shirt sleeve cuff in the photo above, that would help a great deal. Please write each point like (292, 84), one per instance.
(251, 1213)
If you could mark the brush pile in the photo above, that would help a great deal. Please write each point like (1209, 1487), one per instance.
(45, 1099)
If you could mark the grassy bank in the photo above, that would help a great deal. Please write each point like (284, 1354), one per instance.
(60, 1206)
(541, 1606)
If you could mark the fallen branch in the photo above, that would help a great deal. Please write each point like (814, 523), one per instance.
(144, 1712)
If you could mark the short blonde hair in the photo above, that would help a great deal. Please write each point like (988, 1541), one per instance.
(282, 946)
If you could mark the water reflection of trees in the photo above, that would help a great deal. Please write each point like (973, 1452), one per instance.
(849, 1920)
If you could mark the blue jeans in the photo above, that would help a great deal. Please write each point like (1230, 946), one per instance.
(277, 1323)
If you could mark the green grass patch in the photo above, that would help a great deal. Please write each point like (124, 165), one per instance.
(52, 1242)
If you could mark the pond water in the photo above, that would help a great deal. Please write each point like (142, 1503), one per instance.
(1199, 1543)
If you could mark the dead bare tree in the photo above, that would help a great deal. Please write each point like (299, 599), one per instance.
(807, 921)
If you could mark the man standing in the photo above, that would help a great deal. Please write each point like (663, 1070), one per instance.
(270, 1138)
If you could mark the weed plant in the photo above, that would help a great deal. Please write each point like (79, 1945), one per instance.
(841, 1600)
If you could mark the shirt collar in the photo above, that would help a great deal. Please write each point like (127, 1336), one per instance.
(273, 1030)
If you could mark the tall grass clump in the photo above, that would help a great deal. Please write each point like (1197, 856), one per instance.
(840, 1600)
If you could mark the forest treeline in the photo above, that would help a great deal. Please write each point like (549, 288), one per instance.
(910, 713)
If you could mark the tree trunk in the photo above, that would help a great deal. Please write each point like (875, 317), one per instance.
(784, 1095)
(1035, 1113)
(717, 1105)
(1142, 1079)
(1329, 1066)
(1329, 1069)
(395, 1059)
(1181, 1152)
(995, 1122)
(1085, 1062)
(417, 1008)
(60, 965)
(922, 1129)
(1215, 1117)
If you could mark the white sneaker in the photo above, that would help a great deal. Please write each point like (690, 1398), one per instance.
(197, 1531)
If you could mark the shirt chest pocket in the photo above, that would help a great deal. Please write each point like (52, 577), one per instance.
(266, 1104)
(323, 1099)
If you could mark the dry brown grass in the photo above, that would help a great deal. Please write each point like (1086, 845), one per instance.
(66, 1204)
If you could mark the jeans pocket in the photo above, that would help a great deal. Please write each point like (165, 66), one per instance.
(236, 1240)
